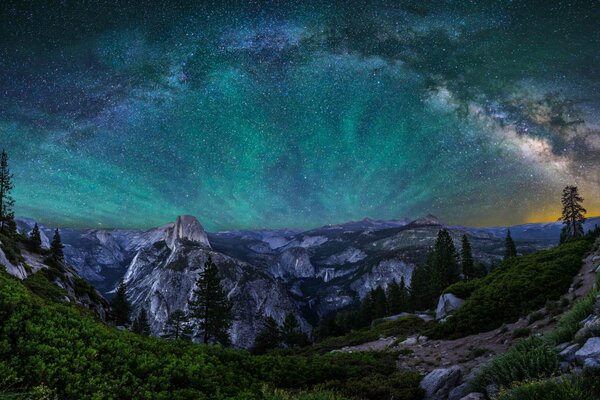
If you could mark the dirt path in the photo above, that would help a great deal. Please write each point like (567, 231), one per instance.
(471, 351)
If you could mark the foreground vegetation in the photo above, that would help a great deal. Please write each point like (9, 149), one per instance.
(518, 286)
(61, 349)
(530, 369)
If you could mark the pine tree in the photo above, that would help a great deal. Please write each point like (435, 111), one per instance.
(141, 325)
(268, 338)
(120, 305)
(291, 335)
(510, 249)
(6, 200)
(56, 248)
(397, 297)
(209, 307)
(35, 239)
(177, 326)
(573, 213)
(466, 259)
(444, 262)
(422, 290)
(380, 307)
(365, 313)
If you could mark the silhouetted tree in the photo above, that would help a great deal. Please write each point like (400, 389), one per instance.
(380, 307)
(444, 262)
(121, 308)
(35, 239)
(397, 297)
(56, 248)
(510, 249)
(466, 259)
(141, 325)
(6, 200)
(291, 335)
(423, 292)
(268, 338)
(573, 213)
(209, 307)
(177, 326)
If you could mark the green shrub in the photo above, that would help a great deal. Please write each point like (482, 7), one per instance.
(521, 333)
(515, 288)
(532, 358)
(67, 351)
(397, 386)
(552, 389)
(463, 289)
(278, 394)
(536, 316)
(570, 322)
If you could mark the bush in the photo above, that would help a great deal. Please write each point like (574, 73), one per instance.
(397, 386)
(570, 322)
(547, 390)
(463, 289)
(518, 286)
(67, 351)
(521, 332)
(532, 358)
(279, 394)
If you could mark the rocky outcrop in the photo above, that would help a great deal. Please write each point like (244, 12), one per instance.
(161, 279)
(590, 350)
(16, 270)
(439, 382)
(293, 262)
(186, 229)
(382, 274)
(447, 304)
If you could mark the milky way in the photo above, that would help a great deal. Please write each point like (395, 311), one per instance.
(272, 114)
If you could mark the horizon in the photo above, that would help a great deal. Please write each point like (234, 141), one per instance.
(274, 228)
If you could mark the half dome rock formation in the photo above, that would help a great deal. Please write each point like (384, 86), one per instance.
(186, 228)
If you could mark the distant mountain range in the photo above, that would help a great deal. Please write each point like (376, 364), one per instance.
(273, 272)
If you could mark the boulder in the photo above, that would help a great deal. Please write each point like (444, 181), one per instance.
(439, 382)
(568, 354)
(591, 349)
(411, 341)
(447, 304)
(460, 392)
(590, 363)
(590, 326)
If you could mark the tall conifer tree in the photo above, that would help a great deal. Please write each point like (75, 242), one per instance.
(35, 239)
(209, 307)
(6, 200)
(510, 249)
(120, 305)
(56, 247)
(268, 338)
(573, 213)
(141, 326)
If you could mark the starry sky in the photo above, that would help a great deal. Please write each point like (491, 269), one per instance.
(291, 114)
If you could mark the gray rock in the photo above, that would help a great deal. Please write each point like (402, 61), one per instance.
(439, 382)
(564, 366)
(186, 228)
(460, 391)
(474, 396)
(591, 363)
(411, 341)
(447, 304)
(568, 354)
(591, 349)
(590, 326)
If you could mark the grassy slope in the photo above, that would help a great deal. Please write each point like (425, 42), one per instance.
(514, 289)
(67, 351)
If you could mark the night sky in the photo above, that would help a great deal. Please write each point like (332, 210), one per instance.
(273, 114)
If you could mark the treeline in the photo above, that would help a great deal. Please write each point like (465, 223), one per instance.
(444, 266)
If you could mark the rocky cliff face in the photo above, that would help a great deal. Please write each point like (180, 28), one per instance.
(273, 271)
(162, 276)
